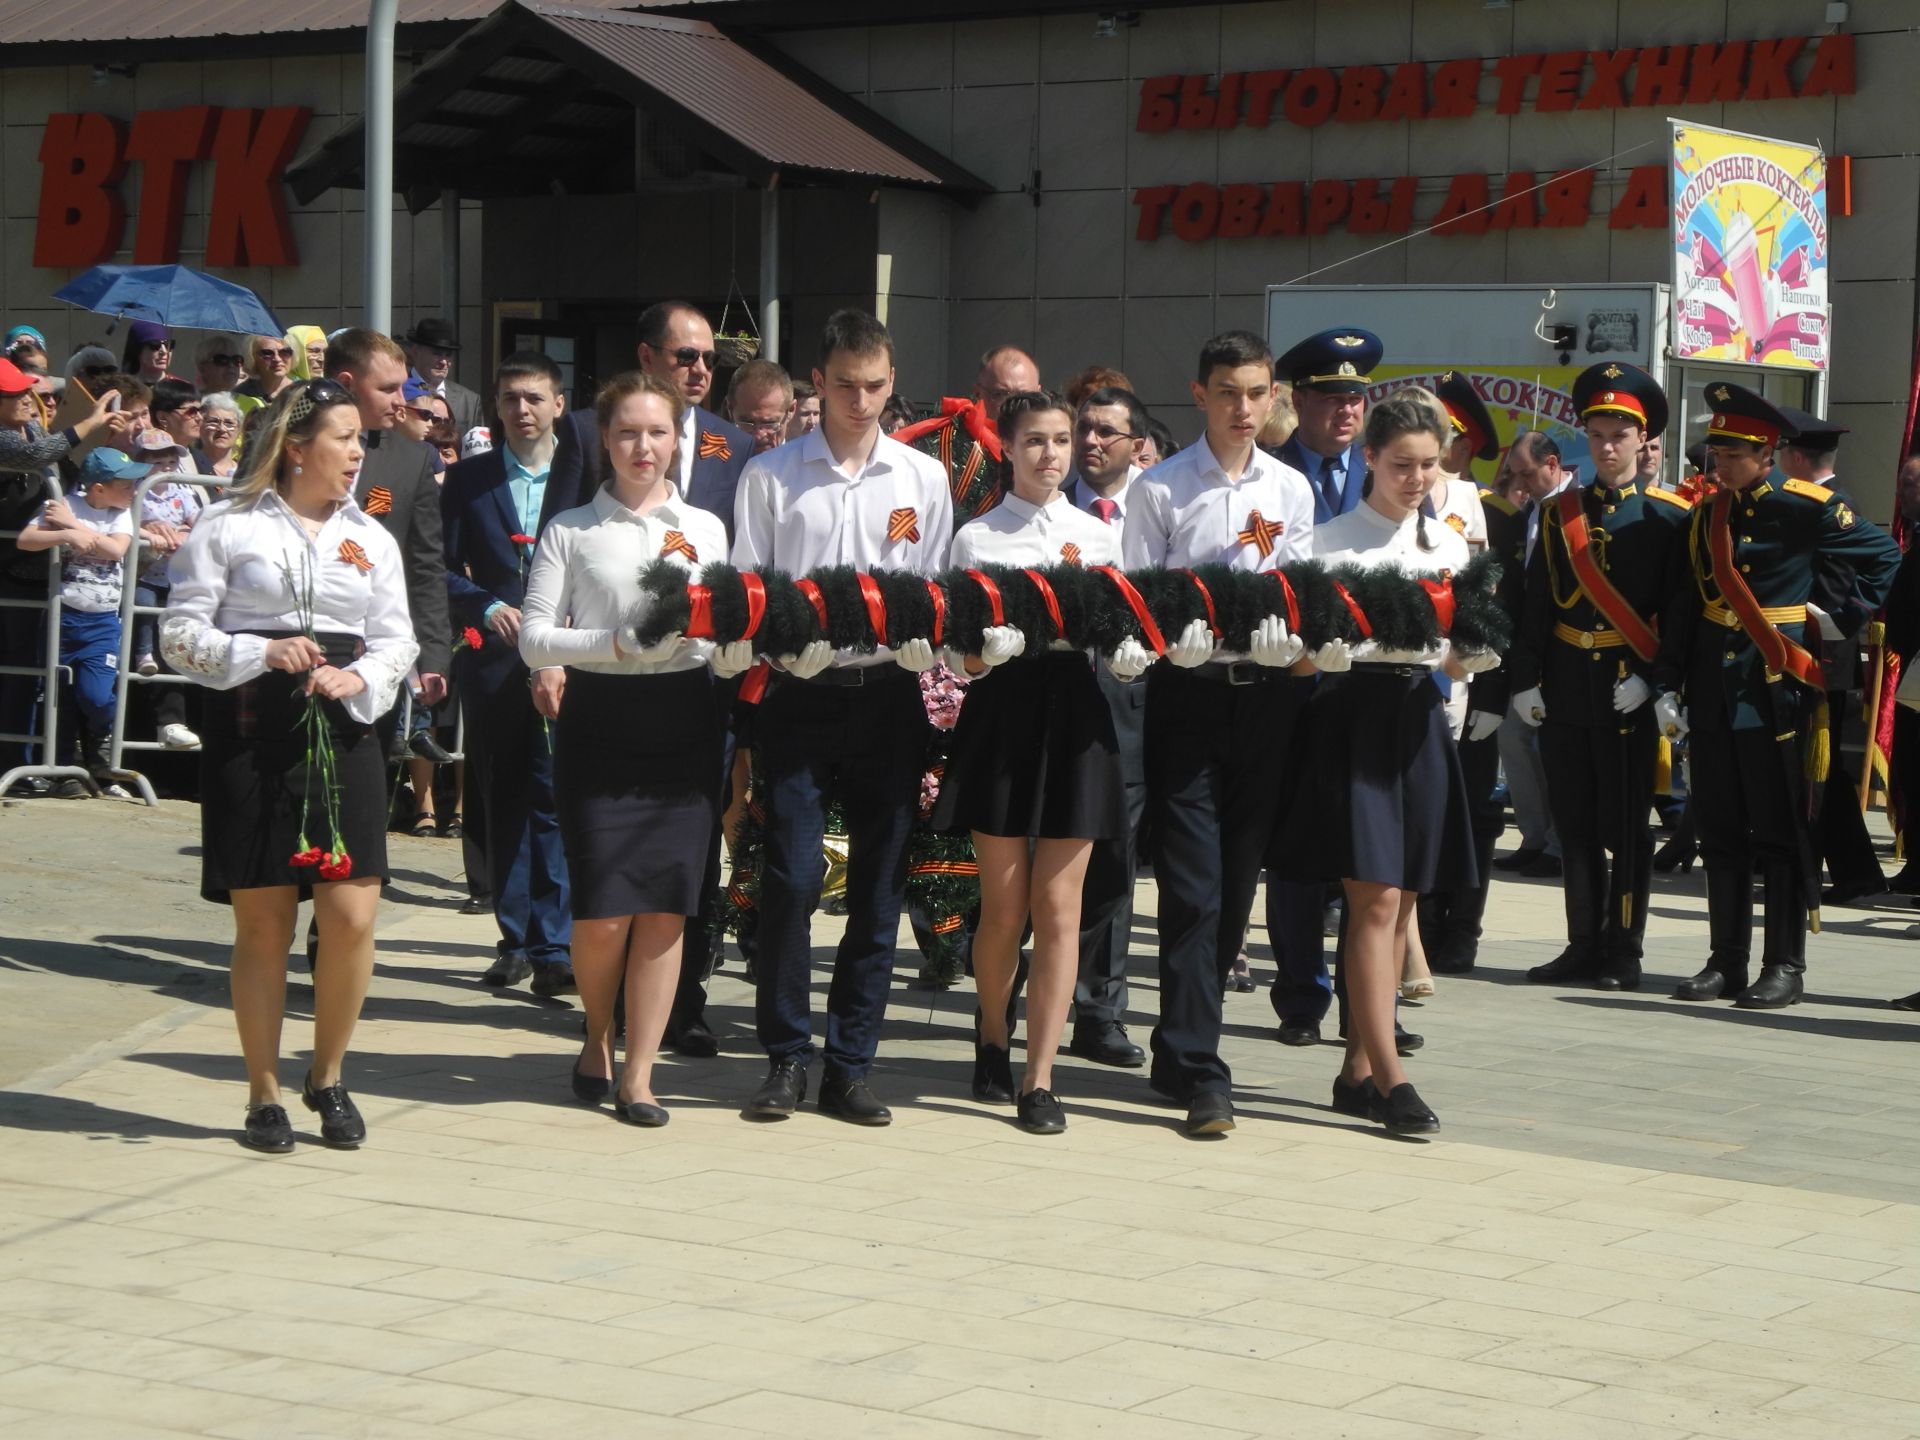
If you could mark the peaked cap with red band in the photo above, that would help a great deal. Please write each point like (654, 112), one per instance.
(1614, 387)
(1740, 414)
(1468, 413)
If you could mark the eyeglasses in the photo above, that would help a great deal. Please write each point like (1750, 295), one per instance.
(1105, 434)
(426, 413)
(190, 410)
(220, 422)
(686, 357)
(275, 352)
(762, 427)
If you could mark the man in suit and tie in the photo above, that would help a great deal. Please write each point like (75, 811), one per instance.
(1330, 373)
(397, 488)
(430, 351)
(495, 507)
(676, 346)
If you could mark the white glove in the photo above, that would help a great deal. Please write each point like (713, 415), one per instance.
(1194, 647)
(1473, 662)
(733, 658)
(1129, 660)
(1388, 656)
(1531, 707)
(916, 655)
(659, 652)
(1630, 694)
(1274, 645)
(815, 657)
(1000, 643)
(1671, 719)
(1481, 724)
(1333, 657)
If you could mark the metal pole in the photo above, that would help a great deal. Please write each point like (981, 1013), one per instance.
(379, 164)
(770, 268)
(450, 259)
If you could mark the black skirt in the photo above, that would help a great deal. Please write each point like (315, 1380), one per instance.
(1034, 754)
(261, 792)
(636, 783)
(1378, 796)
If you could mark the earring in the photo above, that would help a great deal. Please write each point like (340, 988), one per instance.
(296, 469)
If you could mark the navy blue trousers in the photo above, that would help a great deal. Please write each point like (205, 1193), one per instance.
(510, 759)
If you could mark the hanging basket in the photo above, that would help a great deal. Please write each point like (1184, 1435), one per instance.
(732, 351)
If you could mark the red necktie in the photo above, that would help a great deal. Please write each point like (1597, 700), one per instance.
(1105, 509)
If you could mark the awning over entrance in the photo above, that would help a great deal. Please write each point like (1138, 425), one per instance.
(539, 96)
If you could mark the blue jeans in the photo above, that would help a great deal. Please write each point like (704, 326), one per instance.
(90, 647)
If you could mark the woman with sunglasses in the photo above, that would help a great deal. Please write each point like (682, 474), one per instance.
(269, 368)
(148, 353)
(286, 593)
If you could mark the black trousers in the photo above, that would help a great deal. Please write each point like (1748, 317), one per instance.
(1599, 790)
(1748, 805)
(1106, 896)
(1845, 844)
(1217, 756)
(1451, 921)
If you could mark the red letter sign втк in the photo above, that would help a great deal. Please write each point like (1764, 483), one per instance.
(166, 142)
(81, 213)
(247, 223)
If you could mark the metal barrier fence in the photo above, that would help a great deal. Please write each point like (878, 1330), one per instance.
(50, 674)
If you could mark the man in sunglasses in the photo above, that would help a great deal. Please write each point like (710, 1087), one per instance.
(219, 362)
(430, 351)
(964, 435)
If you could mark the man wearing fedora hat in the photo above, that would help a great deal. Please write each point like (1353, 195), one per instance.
(430, 350)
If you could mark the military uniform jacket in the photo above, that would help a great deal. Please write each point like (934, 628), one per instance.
(1634, 534)
(1793, 541)
(1507, 541)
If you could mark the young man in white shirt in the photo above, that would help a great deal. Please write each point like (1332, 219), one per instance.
(1218, 725)
(838, 724)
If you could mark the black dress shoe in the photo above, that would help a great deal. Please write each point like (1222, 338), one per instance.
(992, 1075)
(1907, 1002)
(590, 1089)
(1521, 858)
(1453, 960)
(1107, 1045)
(268, 1129)
(1040, 1113)
(852, 1101)
(1239, 982)
(1403, 1112)
(1405, 1042)
(507, 970)
(1354, 1100)
(477, 905)
(1775, 988)
(1907, 881)
(781, 1092)
(1544, 867)
(693, 1039)
(1210, 1113)
(552, 980)
(1850, 894)
(1711, 984)
(1569, 967)
(1678, 853)
(643, 1112)
(1621, 974)
(340, 1122)
(428, 748)
(1300, 1032)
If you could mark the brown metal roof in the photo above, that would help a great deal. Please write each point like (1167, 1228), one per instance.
(27, 21)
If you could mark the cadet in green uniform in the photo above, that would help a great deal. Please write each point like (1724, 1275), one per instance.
(1581, 666)
(1733, 641)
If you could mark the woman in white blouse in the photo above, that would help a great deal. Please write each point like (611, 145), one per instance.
(1383, 808)
(637, 747)
(283, 592)
(1033, 771)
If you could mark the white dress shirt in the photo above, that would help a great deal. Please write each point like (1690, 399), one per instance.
(797, 511)
(1365, 537)
(246, 564)
(689, 441)
(585, 582)
(1534, 511)
(1185, 511)
(1018, 532)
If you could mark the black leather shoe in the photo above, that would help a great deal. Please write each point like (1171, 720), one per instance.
(992, 1075)
(781, 1093)
(1300, 1032)
(1040, 1113)
(340, 1122)
(552, 980)
(1618, 972)
(1711, 984)
(1405, 1041)
(1907, 881)
(1907, 1002)
(1544, 867)
(853, 1101)
(641, 1112)
(590, 1089)
(428, 748)
(507, 970)
(1354, 1100)
(1107, 1045)
(1851, 894)
(1775, 988)
(477, 905)
(1678, 853)
(1521, 858)
(1569, 967)
(1451, 961)
(1403, 1112)
(1210, 1113)
(693, 1039)
(268, 1129)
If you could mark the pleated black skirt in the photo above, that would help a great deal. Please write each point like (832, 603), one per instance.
(636, 782)
(1034, 754)
(261, 790)
(1379, 796)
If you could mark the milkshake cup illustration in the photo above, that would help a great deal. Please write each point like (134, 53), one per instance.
(1749, 290)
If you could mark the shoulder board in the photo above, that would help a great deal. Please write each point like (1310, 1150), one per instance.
(1808, 489)
(1656, 492)
(1498, 502)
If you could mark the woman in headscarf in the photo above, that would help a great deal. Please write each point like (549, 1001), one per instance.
(309, 344)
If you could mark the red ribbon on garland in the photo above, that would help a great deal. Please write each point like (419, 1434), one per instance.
(1206, 599)
(1149, 631)
(1440, 592)
(1353, 608)
(1052, 602)
(876, 606)
(992, 592)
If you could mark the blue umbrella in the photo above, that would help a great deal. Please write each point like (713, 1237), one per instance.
(172, 295)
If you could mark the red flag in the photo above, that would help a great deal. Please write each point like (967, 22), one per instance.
(1880, 756)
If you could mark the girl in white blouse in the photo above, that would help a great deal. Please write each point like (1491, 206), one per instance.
(637, 746)
(284, 591)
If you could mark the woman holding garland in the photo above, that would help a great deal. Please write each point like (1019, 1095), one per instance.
(1034, 770)
(291, 603)
(1383, 808)
(638, 741)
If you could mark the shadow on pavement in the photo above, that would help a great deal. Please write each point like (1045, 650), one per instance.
(1895, 1027)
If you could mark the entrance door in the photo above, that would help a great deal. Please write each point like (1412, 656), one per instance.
(560, 342)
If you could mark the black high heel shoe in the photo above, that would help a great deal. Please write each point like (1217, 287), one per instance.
(590, 1089)
(992, 1075)
(1402, 1111)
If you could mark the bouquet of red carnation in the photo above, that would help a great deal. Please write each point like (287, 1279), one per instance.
(333, 863)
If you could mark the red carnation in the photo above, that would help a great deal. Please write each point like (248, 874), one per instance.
(337, 866)
(523, 539)
(471, 638)
(312, 855)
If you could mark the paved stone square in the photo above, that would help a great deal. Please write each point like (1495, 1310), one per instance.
(1642, 1220)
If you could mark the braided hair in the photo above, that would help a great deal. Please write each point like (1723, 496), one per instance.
(1409, 410)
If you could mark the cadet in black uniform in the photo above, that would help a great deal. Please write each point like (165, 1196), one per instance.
(1582, 663)
(1734, 639)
